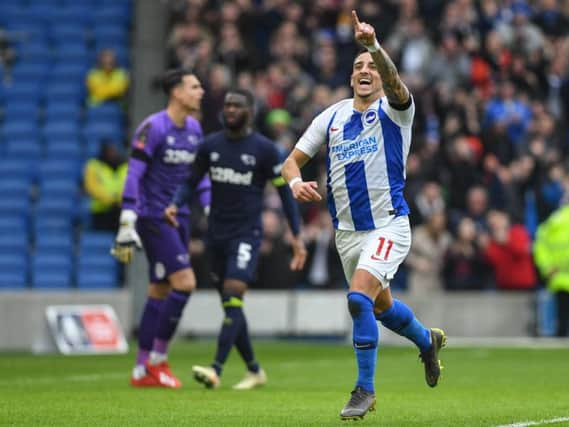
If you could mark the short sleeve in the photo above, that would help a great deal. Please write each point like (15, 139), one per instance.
(403, 118)
(315, 135)
(273, 162)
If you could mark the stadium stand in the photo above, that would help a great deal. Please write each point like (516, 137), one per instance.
(47, 131)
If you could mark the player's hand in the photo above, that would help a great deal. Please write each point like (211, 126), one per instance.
(363, 32)
(170, 214)
(127, 239)
(306, 191)
(298, 254)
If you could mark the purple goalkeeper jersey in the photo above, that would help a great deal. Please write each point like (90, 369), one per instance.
(160, 162)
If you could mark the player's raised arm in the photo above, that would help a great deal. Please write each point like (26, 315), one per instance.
(394, 88)
(301, 191)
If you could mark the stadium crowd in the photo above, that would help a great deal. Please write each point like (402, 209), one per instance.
(490, 79)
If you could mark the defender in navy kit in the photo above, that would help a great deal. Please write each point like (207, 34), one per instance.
(239, 162)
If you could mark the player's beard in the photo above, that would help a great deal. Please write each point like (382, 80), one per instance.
(237, 124)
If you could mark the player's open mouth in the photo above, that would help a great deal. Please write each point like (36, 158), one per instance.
(364, 82)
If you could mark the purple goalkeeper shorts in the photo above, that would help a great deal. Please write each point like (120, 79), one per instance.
(166, 247)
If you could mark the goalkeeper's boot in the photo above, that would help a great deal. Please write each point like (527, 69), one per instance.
(141, 378)
(359, 404)
(162, 373)
(251, 380)
(430, 358)
(206, 375)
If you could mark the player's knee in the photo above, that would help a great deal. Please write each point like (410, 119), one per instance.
(358, 302)
(234, 287)
(158, 290)
(183, 280)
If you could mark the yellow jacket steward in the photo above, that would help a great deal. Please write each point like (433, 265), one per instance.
(105, 86)
(551, 250)
(104, 184)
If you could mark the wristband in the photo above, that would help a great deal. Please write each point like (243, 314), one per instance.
(294, 181)
(374, 47)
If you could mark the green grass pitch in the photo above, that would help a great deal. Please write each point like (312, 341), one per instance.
(308, 385)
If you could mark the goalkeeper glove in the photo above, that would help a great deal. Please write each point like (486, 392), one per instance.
(127, 239)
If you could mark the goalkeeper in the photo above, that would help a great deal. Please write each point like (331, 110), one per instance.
(164, 146)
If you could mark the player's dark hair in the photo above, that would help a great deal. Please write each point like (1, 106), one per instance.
(360, 50)
(173, 78)
(247, 94)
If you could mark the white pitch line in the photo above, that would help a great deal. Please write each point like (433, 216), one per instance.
(536, 423)
(63, 378)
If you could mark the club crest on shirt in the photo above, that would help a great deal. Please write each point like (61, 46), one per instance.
(142, 136)
(369, 117)
(248, 159)
(214, 156)
(170, 140)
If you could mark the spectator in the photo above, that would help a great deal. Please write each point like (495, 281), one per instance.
(508, 250)
(104, 179)
(107, 81)
(551, 253)
(464, 265)
(426, 256)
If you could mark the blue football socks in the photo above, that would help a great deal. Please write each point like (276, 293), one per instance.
(400, 319)
(365, 338)
(170, 315)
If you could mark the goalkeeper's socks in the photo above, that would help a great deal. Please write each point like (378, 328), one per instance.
(400, 319)
(147, 329)
(232, 326)
(365, 337)
(169, 318)
(245, 348)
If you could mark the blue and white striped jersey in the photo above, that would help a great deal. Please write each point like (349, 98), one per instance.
(366, 160)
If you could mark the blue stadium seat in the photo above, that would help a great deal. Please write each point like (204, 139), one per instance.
(97, 131)
(59, 206)
(51, 271)
(111, 35)
(14, 187)
(61, 129)
(13, 280)
(13, 243)
(64, 149)
(96, 243)
(59, 188)
(23, 148)
(52, 224)
(13, 263)
(36, 53)
(94, 278)
(13, 224)
(64, 92)
(15, 205)
(17, 168)
(109, 112)
(68, 34)
(66, 72)
(70, 112)
(21, 111)
(51, 279)
(59, 168)
(111, 15)
(74, 13)
(54, 243)
(100, 261)
(74, 54)
(20, 130)
(23, 72)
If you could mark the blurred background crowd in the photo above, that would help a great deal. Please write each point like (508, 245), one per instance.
(488, 161)
(490, 80)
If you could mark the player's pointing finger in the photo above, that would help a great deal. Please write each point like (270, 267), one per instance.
(355, 19)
